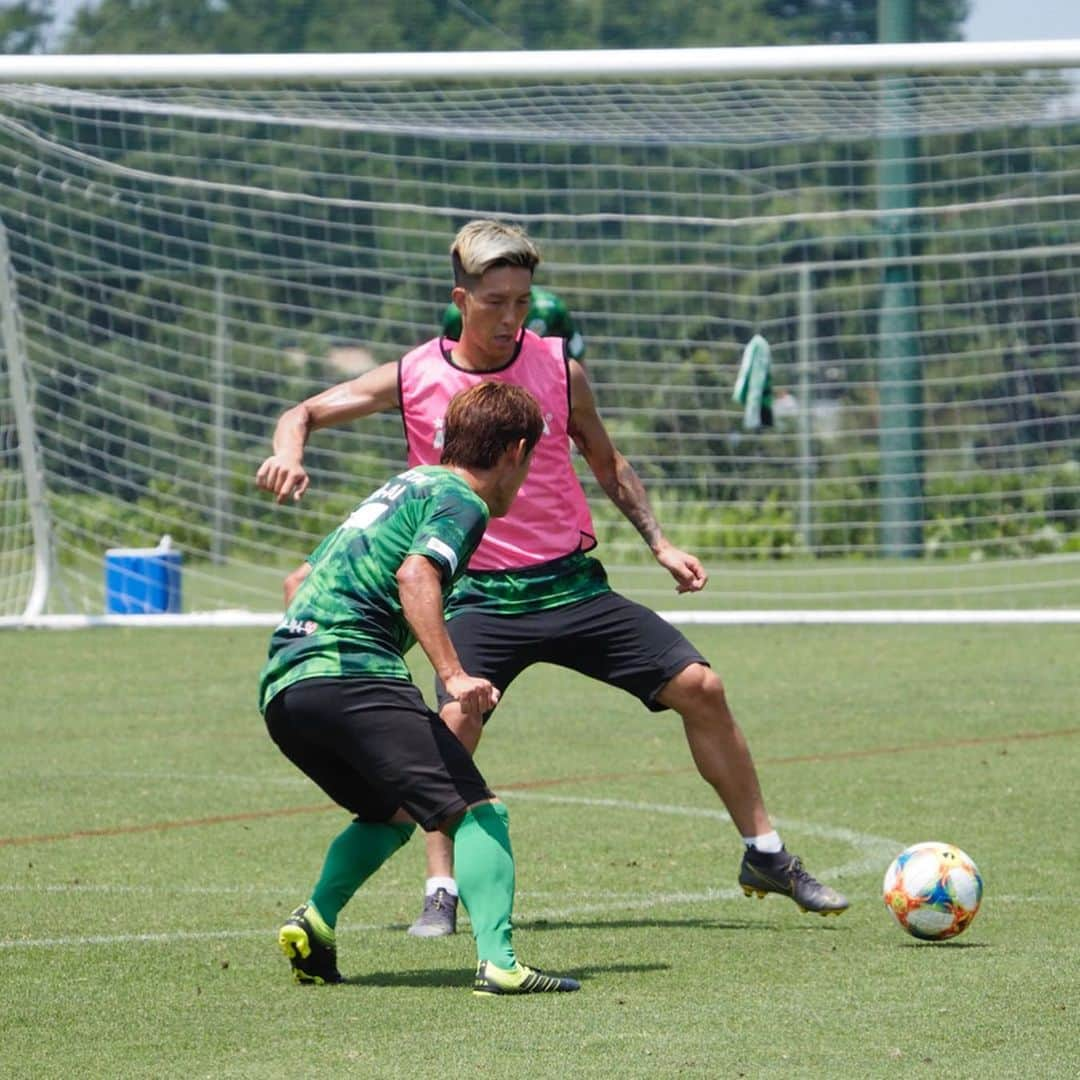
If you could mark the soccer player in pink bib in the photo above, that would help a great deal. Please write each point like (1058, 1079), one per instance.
(531, 593)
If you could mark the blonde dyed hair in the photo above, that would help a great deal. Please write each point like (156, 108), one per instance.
(484, 244)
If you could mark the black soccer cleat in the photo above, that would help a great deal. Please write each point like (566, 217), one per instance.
(781, 872)
(313, 960)
(492, 981)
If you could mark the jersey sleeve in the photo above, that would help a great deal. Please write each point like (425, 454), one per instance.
(450, 533)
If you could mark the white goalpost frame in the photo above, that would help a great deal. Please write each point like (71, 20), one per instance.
(550, 64)
(11, 339)
(568, 65)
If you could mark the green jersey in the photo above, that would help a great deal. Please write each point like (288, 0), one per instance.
(345, 619)
(548, 317)
(543, 587)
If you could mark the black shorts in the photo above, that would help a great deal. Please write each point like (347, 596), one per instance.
(374, 746)
(607, 637)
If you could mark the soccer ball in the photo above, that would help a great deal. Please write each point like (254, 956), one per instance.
(933, 890)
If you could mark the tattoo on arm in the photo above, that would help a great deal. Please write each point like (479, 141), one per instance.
(627, 492)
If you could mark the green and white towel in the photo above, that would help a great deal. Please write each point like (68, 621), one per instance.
(753, 387)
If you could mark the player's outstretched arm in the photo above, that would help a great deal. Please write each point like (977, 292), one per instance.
(420, 592)
(623, 486)
(283, 473)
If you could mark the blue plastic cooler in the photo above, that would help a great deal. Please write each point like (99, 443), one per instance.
(142, 581)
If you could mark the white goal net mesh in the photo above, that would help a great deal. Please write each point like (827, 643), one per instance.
(186, 262)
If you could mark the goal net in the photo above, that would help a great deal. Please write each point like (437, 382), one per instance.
(180, 263)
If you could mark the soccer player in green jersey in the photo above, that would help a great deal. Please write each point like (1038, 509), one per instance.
(339, 703)
(548, 316)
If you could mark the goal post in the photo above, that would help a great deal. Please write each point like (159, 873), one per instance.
(196, 242)
(25, 518)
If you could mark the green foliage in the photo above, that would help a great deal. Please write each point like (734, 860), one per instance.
(123, 26)
(1004, 514)
(146, 266)
(90, 523)
(24, 26)
(855, 22)
(970, 516)
(743, 530)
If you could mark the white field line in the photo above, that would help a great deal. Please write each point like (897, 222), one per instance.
(872, 852)
(725, 617)
(630, 902)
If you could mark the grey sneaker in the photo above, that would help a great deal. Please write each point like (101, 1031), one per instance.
(439, 917)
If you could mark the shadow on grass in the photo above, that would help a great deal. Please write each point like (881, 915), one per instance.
(947, 945)
(690, 924)
(461, 977)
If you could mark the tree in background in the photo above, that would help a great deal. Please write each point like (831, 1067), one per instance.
(133, 26)
(24, 26)
(854, 22)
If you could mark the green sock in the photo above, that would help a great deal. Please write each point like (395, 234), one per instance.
(353, 856)
(484, 871)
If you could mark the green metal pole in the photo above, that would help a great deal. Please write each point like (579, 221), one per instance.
(899, 362)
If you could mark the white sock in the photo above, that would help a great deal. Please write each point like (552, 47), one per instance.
(769, 842)
(433, 884)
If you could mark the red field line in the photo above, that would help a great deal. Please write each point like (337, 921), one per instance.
(801, 759)
(162, 826)
(527, 785)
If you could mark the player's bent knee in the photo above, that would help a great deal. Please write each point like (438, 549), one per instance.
(468, 727)
(449, 824)
(696, 685)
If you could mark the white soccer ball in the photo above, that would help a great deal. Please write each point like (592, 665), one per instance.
(933, 890)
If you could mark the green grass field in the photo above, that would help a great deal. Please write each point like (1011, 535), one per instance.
(152, 839)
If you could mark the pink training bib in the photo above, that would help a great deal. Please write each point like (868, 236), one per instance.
(550, 517)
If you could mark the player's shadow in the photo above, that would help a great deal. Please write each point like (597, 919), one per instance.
(673, 924)
(450, 977)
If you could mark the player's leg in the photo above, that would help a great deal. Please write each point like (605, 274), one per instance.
(485, 875)
(717, 745)
(489, 647)
(438, 916)
(308, 937)
(723, 759)
(441, 787)
(628, 645)
(311, 724)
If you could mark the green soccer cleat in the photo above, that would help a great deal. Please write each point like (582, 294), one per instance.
(492, 981)
(781, 872)
(313, 960)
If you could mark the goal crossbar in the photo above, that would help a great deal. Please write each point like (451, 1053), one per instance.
(544, 64)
